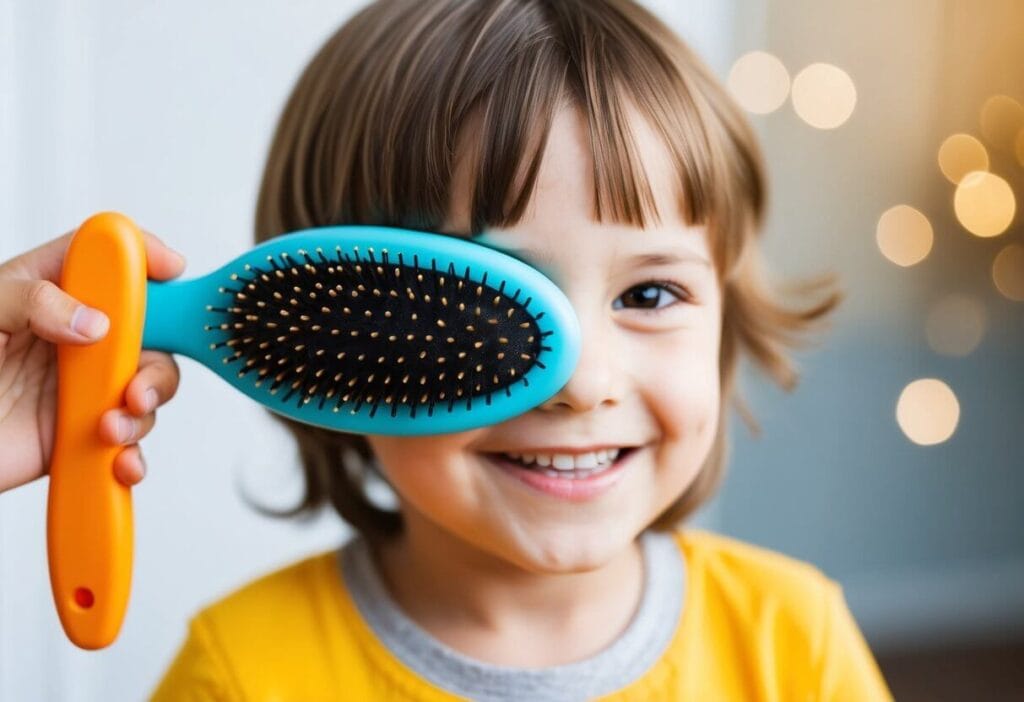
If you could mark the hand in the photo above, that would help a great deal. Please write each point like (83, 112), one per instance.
(35, 314)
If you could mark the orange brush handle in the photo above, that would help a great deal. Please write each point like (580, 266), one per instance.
(89, 529)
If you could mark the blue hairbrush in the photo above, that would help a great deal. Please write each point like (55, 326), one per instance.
(361, 329)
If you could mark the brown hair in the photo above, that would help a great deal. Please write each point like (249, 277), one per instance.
(370, 131)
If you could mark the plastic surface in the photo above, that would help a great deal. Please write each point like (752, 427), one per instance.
(89, 517)
(89, 513)
(177, 314)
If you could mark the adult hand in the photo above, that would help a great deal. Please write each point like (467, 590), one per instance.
(35, 314)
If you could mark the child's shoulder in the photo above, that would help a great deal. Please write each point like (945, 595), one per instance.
(288, 586)
(278, 613)
(283, 628)
(754, 572)
(790, 619)
(728, 551)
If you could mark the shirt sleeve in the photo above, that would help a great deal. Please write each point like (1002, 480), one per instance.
(847, 668)
(200, 672)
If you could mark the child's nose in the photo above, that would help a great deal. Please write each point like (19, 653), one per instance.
(598, 376)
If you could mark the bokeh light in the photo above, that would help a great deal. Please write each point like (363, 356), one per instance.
(824, 95)
(984, 204)
(927, 411)
(1018, 147)
(1008, 272)
(759, 82)
(1001, 120)
(959, 155)
(956, 325)
(904, 235)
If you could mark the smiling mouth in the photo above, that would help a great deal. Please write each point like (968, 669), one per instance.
(562, 473)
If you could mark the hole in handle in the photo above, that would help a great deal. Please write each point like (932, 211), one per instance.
(84, 597)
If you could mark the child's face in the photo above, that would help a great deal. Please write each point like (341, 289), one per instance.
(645, 377)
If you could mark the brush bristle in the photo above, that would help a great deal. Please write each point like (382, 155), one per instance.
(345, 331)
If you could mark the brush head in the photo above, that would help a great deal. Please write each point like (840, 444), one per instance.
(343, 332)
(433, 334)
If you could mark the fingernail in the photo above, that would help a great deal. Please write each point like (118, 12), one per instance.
(142, 466)
(90, 323)
(180, 256)
(125, 429)
(151, 399)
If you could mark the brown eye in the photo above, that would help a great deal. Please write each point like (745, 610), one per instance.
(647, 295)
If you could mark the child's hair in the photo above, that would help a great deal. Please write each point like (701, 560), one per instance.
(370, 135)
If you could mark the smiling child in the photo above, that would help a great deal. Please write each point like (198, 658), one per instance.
(543, 558)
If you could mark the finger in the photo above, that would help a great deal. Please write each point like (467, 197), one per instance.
(130, 466)
(118, 426)
(45, 261)
(154, 384)
(49, 312)
(162, 262)
(41, 263)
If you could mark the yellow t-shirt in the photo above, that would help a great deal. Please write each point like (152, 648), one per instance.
(755, 625)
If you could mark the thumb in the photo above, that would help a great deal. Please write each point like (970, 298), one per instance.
(49, 312)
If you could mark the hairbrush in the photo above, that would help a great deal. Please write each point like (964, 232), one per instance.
(362, 329)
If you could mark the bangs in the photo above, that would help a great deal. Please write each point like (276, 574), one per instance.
(605, 68)
(423, 84)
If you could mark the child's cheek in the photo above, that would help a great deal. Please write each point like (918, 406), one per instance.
(688, 413)
(680, 388)
(410, 463)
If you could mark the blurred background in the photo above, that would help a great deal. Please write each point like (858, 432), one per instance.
(894, 138)
(894, 135)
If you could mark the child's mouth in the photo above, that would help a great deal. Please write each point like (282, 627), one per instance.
(574, 485)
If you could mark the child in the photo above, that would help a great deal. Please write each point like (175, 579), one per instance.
(585, 137)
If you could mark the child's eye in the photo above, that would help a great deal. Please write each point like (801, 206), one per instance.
(645, 296)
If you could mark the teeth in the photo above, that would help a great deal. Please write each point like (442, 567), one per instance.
(565, 461)
(561, 461)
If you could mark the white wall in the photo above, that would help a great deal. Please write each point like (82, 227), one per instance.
(164, 111)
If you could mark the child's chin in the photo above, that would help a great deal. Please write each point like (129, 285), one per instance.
(574, 549)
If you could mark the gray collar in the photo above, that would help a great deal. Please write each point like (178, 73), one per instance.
(626, 659)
